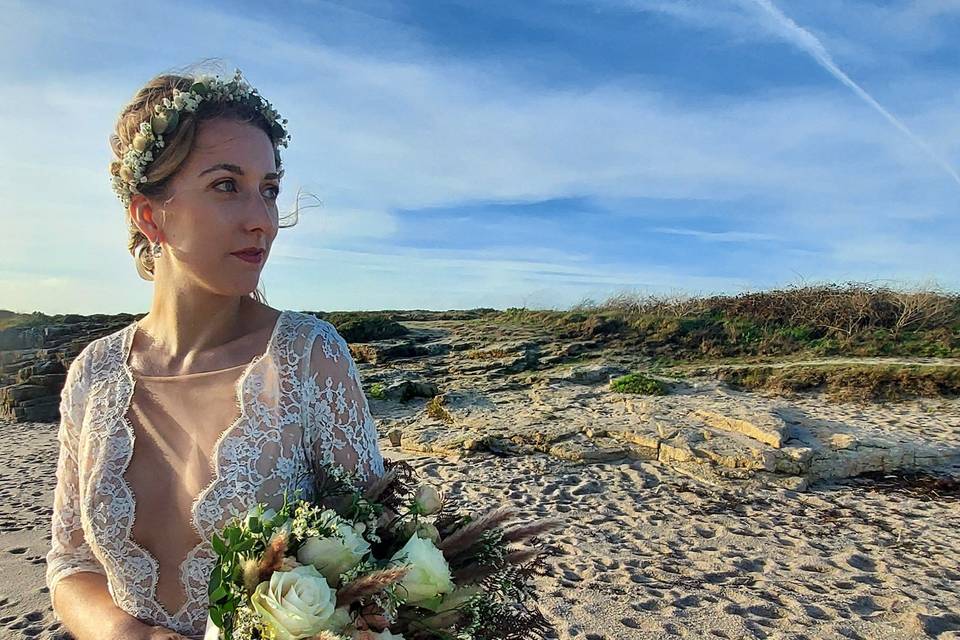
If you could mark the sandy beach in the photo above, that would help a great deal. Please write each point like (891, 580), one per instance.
(647, 552)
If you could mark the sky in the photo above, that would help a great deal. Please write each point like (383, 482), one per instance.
(503, 154)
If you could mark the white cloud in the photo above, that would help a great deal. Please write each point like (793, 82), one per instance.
(375, 133)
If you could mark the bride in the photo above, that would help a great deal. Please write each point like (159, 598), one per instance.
(210, 403)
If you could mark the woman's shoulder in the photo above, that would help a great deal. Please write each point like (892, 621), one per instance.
(93, 357)
(311, 326)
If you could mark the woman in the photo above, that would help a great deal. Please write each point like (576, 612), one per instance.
(210, 403)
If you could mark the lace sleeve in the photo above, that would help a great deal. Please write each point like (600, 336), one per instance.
(338, 425)
(69, 552)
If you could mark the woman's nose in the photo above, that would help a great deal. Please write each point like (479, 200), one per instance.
(258, 211)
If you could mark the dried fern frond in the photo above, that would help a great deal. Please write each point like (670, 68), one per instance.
(473, 573)
(399, 491)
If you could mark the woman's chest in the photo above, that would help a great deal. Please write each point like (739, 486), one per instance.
(200, 453)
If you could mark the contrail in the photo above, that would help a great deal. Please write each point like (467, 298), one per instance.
(809, 43)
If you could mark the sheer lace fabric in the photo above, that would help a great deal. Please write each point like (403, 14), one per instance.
(150, 467)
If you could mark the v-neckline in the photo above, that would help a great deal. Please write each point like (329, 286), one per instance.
(128, 373)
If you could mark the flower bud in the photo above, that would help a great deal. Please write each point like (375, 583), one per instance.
(427, 499)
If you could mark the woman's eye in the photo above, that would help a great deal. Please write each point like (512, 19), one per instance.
(230, 182)
(272, 188)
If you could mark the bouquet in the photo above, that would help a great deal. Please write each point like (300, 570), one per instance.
(395, 561)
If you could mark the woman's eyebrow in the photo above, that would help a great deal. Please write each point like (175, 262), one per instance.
(237, 170)
(223, 165)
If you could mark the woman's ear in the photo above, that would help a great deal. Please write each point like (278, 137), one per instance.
(141, 212)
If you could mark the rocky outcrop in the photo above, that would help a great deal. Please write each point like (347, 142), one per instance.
(456, 387)
(34, 361)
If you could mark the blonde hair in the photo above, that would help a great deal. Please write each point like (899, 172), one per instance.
(175, 151)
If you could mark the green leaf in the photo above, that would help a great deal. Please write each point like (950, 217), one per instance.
(173, 118)
(218, 545)
(218, 594)
(246, 545)
(215, 582)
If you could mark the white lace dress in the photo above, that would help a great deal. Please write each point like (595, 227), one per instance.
(299, 401)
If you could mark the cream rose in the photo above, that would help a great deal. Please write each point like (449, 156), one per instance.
(334, 554)
(430, 573)
(296, 604)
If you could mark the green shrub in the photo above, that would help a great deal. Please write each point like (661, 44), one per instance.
(638, 383)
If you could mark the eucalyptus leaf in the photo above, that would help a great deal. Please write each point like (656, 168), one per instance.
(173, 118)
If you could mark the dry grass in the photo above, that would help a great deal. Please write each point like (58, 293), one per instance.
(850, 382)
(855, 319)
(437, 411)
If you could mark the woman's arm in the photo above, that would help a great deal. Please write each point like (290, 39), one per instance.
(77, 581)
(85, 607)
(339, 426)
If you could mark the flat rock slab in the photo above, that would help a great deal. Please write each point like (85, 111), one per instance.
(707, 431)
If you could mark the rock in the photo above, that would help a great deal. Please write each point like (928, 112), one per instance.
(842, 441)
(395, 436)
(593, 374)
(574, 348)
(404, 390)
(582, 449)
(766, 427)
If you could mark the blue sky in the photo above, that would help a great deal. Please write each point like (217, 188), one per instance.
(501, 154)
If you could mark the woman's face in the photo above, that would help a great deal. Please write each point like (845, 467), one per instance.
(223, 200)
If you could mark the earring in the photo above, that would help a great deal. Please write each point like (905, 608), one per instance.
(156, 249)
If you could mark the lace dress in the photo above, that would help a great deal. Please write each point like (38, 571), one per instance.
(150, 467)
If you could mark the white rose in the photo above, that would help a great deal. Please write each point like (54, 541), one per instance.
(337, 553)
(295, 604)
(430, 573)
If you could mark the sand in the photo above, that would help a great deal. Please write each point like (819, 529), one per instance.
(647, 553)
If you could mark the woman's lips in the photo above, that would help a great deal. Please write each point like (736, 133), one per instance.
(253, 258)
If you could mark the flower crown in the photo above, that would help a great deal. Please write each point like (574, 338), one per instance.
(130, 172)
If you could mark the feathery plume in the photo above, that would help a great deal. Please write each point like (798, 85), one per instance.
(370, 584)
(522, 532)
(464, 537)
(272, 558)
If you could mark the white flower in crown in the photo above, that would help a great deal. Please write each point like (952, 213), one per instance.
(166, 116)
